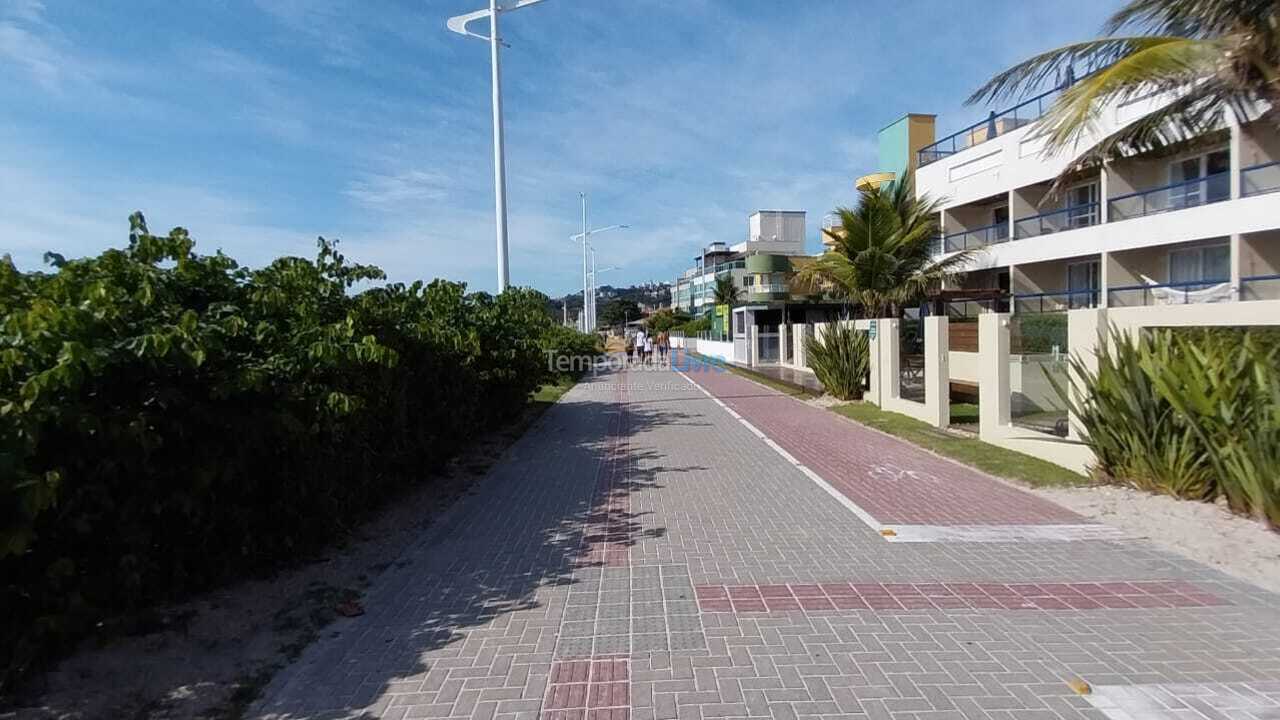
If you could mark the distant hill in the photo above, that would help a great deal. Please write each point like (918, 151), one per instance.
(647, 295)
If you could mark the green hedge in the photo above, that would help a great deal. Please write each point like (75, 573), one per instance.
(172, 421)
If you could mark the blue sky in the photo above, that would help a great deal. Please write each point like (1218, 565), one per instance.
(259, 125)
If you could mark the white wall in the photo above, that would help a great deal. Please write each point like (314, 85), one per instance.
(715, 349)
(1015, 159)
(1245, 215)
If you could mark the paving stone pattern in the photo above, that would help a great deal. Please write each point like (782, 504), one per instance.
(573, 585)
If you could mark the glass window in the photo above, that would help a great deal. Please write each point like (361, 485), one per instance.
(1217, 262)
(1207, 264)
(1082, 201)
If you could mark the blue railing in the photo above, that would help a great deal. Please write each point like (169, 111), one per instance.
(1178, 293)
(993, 126)
(976, 238)
(1175, 196)
(1260, 179)
(1031, 303)
(1076, 216)
(1260, 287)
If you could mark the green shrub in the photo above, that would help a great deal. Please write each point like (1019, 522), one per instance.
(1038, 333)
(1195, 414)
(172, 421)
(840, 359)
(693, 328)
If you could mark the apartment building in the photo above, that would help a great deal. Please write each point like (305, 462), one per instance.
(761, 266)
(1198, 222)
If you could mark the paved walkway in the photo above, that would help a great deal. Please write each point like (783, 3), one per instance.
(680, 546)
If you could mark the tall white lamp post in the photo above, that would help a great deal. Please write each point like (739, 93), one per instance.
(585, 238)
(458, 24)
(595, 286)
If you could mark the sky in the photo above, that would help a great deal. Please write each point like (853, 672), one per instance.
(259, 125)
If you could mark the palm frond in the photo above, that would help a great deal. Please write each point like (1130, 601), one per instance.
(1171, 65)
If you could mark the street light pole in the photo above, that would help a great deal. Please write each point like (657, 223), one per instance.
(458, 24)
(499, 156)
(583, 195)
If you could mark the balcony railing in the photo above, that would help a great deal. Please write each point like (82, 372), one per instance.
(768, 288)
(1076, 216)
(1033, 303)
(1260, 287)
(1179, 293)
(993, 126)
(1260, 179)
(1177, 196)
(976, 238)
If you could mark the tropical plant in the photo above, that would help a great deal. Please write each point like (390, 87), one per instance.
(726, 292)
(1195, 414)
(666, 318)
(170, 421)
(841, 359)
(1215, 56)
(882, 253)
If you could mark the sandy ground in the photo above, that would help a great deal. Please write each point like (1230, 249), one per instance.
(1207, 533)
(209, 657)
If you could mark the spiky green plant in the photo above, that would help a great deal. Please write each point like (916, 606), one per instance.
(1191, 413)
(1136, 434)
(840, 359)
(1225, 387)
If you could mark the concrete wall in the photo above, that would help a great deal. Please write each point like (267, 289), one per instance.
(1128, 266)
(1259, 143)
(1260, 254)
(714, 348)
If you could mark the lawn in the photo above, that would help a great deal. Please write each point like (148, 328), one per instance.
(970, 451)
(548, 394)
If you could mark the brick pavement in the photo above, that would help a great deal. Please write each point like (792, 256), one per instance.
(589, 545)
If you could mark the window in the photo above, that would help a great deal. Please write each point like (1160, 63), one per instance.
(1212, 171)
(1203, 264)
(1082, 284)
(1082, 205)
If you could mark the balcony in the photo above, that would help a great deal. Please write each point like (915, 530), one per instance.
(995, 125)
(1035, 303)
(1176, 196)
(1178, 293)
(1260, 179)
(1260, 287)
(976, 238)
(1076, 216)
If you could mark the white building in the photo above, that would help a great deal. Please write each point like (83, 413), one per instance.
(1193, 223)
(772, 233)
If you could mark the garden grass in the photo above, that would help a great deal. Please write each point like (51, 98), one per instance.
(989, 458)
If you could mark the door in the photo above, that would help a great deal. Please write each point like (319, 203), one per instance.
(1000, 220)
(1082, 205)
(1082, 284)
(1211, 169)
(1208, 265)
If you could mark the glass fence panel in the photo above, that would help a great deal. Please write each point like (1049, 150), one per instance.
(1038, 363)
(911, 357)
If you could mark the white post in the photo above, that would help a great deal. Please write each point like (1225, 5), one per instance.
(499, 157)
(584, 260)
(594, 282)
(993, 374)
(937, 376)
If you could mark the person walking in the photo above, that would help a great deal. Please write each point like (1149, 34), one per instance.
(664, 342)
(640, 338)
(648, 349)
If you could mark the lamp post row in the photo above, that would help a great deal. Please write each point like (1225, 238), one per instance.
(458, 24)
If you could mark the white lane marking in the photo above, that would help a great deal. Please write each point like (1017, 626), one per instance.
(928, 533)
(840, 497)
(1256, 699)
(1003, 533)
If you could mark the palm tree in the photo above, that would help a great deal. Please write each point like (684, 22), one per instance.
(1215, 55)
(882, 254)
(726, 293)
